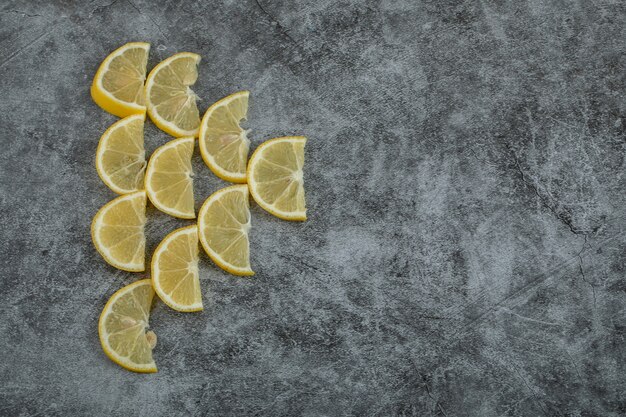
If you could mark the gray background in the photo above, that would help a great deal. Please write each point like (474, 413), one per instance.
(465, 248)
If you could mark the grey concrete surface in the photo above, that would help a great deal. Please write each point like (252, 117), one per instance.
(465, 248)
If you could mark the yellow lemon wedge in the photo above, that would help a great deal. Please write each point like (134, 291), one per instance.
(120, 157)
(122, 327)
(175, 270)
(171, 102)
(169, 181)
(275, 177)
(117, 231)
(223, 143)
(223, 226)
(118, 84)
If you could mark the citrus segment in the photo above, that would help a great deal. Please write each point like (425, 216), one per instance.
(117, 231)
(223, 227)
(120, 157)
(223, 143)
(171, 102)
(175, 270)
(118, 86)
(275, 177)
(169, 181)
(122, 327)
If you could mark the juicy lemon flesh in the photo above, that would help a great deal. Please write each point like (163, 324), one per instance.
(172, 98)
(175, 270)
(119, 232)
(278, 180)
(170, 179)
(225, 226)
(126, 74)
(123, 327)
(224, 142)
(123, 158)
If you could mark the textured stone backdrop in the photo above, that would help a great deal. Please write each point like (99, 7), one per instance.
(465, 248)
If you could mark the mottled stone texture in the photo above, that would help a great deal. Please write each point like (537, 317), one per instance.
(465, 248)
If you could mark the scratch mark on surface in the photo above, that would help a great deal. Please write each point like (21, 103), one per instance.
(480, 160)
(534, 394)
(280, 27)
(301, 261)
(562, 122)
(148, 16)
(582, 270)
(24, 14)
(101, 8)
(46, 33)
(437, 403)
(566, 220)
(575, 366)
(538, 279)
(563, 216)
(508, 310)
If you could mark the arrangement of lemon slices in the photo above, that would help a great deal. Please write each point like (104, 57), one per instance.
(273, 176)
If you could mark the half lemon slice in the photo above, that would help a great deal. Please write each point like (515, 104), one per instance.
(120, 157)
(117, 231)
(170, 100)
(175, 270)
(223, 226)
(275, 177)
(118, 85)
(169, 181)
(223, 143)
(122, 327)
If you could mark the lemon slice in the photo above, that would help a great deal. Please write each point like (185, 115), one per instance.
(223, 225)
(169, 181)
(175, 270)
(171, 103)
(117, 231)
(223, 143)
(122, 327)
(120, 157)
(275, 177)
(118, 84)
